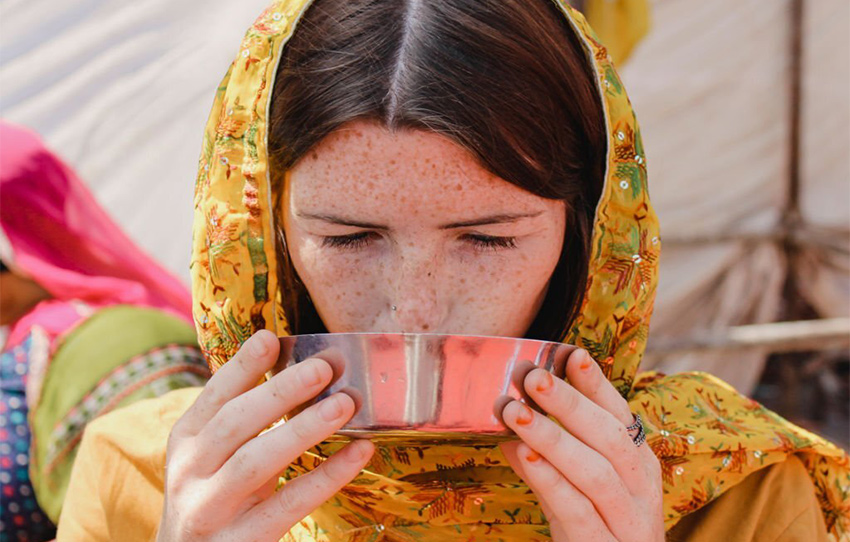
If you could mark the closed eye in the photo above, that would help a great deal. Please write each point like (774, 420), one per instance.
(353, 241)
(362, 239)
(489, 242)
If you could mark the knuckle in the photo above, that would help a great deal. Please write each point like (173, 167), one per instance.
(301, 430)
(552, 436)
(335, 473)
(281, 386)
(290, 501)
(175, 438)
(604, 479)
(225, 430)
(214, 396)
(310, 374)
(241, 361)
(653, 466)
(195, 519)
(619, 439)
(555, 485)
(621, 409)
(571, 401)
(579, 510)
(330, 474)
(241, 465)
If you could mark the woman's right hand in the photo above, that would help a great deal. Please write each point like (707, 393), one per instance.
(221, 473)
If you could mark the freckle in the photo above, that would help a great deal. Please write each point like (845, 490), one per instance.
(463, 281)
(459, 187)
(481, 269)
(392, 162)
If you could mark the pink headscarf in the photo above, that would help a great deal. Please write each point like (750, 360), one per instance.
(60, 237)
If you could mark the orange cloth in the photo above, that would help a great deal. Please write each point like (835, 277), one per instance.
(117, 487)
(775, 504)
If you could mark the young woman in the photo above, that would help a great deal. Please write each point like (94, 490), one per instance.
(457, 166)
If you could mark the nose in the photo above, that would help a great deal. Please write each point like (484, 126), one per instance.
(416, 301)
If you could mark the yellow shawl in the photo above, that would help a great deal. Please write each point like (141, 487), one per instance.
(707, 436)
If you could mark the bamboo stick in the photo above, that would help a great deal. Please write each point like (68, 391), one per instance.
(799, 336)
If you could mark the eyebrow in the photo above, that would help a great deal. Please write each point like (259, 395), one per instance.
(483, 221)
(493, 219)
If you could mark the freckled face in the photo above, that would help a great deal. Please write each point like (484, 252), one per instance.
(411, 220)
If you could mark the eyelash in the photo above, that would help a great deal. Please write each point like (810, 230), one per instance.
(360, 240)
(353, 241)
(488, 242)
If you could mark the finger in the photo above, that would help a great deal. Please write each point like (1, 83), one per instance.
(243, 417)
(590, 423)
(509, 450)
(571, 511)
(242, 372)
(267, 455)
(585, 375)
(272, 518)
(585, 469)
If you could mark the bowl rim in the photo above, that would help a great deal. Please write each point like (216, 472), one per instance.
(408, 334)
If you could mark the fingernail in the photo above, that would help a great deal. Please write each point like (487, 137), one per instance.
(584, 365)
(330, 409)
(532, 457)
(311, 375)
(546, 383)
(258, 347)
(525, 415)
(356, 451)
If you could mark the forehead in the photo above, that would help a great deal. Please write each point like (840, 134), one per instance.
(364, 166)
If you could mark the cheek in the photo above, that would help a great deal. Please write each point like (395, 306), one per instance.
(500, 295)
(345, 288)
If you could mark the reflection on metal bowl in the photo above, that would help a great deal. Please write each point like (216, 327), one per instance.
(426, 387)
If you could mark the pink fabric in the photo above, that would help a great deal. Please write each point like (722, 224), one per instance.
(61, 238)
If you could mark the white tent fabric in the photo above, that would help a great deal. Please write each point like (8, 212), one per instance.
(122, 91)
(712, 88)
(824, 267)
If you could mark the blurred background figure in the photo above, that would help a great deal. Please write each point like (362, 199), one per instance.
(747, 147)
(90, 323)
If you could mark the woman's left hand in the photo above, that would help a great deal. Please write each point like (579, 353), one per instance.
(592, 482)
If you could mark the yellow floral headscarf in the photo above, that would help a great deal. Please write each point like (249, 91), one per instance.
(707, 437)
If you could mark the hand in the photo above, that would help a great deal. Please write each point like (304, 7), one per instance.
(591, 480)
(221, 475)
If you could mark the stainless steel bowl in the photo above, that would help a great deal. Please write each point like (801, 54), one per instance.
(426, 387)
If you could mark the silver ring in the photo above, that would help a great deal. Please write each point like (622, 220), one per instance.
(637, 425)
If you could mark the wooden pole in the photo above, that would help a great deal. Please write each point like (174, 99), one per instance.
(800, 336)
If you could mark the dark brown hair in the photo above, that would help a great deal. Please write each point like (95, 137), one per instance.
(506, 79)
